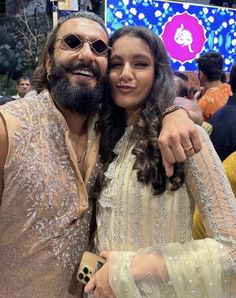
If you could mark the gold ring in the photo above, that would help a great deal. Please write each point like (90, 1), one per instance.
(188, 149)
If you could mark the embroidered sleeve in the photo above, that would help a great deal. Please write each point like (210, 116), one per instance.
(198, 268)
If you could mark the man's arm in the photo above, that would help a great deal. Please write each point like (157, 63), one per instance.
(179, 136)
(3, 152)
(193, 108)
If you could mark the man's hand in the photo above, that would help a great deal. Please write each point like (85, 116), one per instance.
(99, 283)
(178, 139)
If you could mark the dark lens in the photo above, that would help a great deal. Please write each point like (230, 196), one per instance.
(99, 46)
(72, 41)
(85, 270)
(87, 279)
(81, 276)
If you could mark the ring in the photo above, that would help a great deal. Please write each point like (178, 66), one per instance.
(188, 148)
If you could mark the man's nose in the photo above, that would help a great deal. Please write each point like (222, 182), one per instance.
(86, 54)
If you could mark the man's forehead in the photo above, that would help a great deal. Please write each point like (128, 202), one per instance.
(22, 81)
(86, 28)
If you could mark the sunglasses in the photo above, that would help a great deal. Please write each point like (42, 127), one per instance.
(74, 43)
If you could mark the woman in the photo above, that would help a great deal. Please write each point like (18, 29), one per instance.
(143, 217)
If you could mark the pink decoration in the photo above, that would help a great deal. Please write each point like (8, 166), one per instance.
(184, 37)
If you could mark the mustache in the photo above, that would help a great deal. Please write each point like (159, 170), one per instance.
(93, 68)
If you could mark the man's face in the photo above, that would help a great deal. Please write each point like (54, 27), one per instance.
(23, 87)
(78, 75)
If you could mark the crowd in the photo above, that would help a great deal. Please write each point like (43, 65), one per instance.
(103, 155)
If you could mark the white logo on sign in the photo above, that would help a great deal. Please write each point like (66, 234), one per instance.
(184, 38)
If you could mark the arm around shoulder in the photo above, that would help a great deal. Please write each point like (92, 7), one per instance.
(3, 152)
(193, 108)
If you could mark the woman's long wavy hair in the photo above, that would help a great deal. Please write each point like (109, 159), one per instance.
(147, 128)
(40, 74)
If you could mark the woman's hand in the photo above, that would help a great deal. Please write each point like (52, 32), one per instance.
(99, 283)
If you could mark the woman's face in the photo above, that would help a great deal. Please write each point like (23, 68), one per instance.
(131, 73)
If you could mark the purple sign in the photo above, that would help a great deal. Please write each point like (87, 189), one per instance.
(184, 37)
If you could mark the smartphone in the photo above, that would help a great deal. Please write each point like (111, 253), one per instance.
(89, 265)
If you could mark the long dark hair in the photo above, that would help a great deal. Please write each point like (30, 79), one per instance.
(112, 122)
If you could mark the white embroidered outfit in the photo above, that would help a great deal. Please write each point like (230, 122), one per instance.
(131, 220)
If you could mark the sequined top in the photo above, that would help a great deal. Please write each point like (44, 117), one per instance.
(45, 211)
(213, 99)
(131, 220)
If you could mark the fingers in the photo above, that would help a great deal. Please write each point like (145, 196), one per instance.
(177, 148)
(105, 254)
(90, 286)
(196, 141)
(169, 168)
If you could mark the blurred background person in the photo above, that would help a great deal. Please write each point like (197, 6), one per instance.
(213, 93)
(23, 86)
(4, 99)
(181, 84)
(224, 122)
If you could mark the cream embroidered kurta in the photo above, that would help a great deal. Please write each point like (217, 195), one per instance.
(45, 212)
(130, 218)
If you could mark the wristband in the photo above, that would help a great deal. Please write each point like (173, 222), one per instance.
(172, 109)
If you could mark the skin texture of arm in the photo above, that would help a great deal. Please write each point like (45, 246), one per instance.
(193, 108)
(3, 152)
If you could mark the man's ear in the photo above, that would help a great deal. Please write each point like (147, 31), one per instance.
(200, 74)
(48, 63)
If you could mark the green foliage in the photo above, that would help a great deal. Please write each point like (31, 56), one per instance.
(20, 42)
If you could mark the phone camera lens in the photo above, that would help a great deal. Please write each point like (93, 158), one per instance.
(81, 276)
(87, 279)
(85, 270)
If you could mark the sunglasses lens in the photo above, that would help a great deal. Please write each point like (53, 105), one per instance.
(99, 46)
(72, 41)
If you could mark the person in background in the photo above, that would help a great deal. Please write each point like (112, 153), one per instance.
(214, 93)
(4, 99)
(48, 161)
(223, 122)
(180, 85)
(143, 218)
(23, 86)
(181, 89)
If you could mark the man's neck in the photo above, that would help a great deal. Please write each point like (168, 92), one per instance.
(77, 123)
(213, 84)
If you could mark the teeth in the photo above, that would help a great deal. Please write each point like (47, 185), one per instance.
(83, 72)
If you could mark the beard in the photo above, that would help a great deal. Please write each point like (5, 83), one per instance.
(78, 99)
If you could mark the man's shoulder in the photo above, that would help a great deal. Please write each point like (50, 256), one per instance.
(24, 108)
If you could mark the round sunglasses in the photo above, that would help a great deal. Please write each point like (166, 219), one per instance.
(74, 42)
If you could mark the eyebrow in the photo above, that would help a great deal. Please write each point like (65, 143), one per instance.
(137, 56)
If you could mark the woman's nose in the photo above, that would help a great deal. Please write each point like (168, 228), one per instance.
(126, 73)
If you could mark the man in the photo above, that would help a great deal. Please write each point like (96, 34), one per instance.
(181, 83)
(214, 93)
(48, 162)
(224, 123)
(23, 86)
